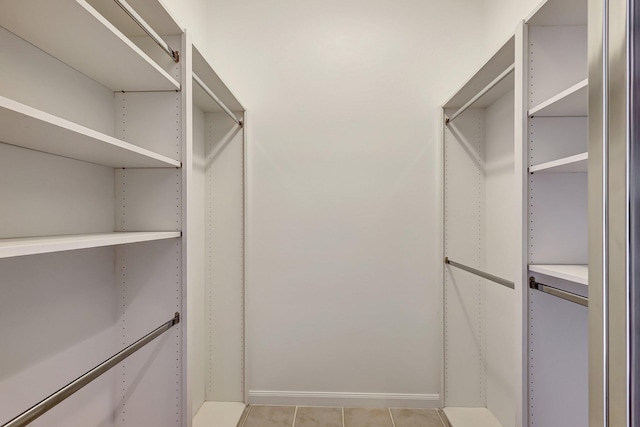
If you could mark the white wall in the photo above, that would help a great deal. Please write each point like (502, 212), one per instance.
(193, 15)
(344, 240)
(501, 17)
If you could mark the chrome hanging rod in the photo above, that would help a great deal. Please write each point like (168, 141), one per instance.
(569, 296)
(500, 280)
(480, 94)
(174, 54)
(216, 99)
(50, 402)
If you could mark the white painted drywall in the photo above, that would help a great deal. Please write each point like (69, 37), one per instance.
(343, 267)
(500, 17)
(343, 239)
(192, 15)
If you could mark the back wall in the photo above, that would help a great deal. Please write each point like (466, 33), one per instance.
(344, 302)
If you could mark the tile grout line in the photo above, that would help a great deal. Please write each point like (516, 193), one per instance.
(295, 414)
(393, 422)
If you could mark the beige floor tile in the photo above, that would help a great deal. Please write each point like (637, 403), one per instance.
(270, 416)
(416, 418)
(319, 417)
(367, 417)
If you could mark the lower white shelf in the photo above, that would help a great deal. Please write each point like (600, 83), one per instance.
(41, 245)
(573, 273)
(471, 417)
(219, 414)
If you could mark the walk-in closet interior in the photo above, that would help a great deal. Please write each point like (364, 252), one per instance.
(420, 214)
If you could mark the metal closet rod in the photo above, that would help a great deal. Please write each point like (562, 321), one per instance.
(216, 99)
(500, 280)
(50, 402)
(174, 54)
(480, 94)
(569, 296)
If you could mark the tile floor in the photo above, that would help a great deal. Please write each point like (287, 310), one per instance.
(300, 416)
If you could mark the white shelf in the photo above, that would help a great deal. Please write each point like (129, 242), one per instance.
(203, 70)
(471, 417)
(219, 414)
(75, 33)
(28, 127)
(499, 62)
(572, 273)
(41, 245)
(571, 164)
(572, 102)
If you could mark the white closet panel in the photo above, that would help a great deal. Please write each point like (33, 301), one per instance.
(148, 199)
(149, 289)
(56, 332)
(557, 60)
(552, 138)
(500, 252)
(44, 82)
(464, 294)
(558, 340)
(152, 120)
(50, 195)
(225, 225)
(197, 259)
(558, 219)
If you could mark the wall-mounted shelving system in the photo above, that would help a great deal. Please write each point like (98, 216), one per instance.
(534, 232)
(480, 220)
(557, 98)
(104, 200)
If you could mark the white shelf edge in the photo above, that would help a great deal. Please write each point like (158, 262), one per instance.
(64, 138)
(571, 164)
(125, 40)
(103, 52)
(40, 245)
(578, 273)
(559, 97)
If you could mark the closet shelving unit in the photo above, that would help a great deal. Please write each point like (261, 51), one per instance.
(102, 217)
(482, 296)
(217, 245)
(557, 256)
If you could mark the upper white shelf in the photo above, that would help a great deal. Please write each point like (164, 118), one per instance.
(41, 245)
(571, 164)
(205, 72)
(76, 34)
(28, 127)
(572, 102)
(502, 59)
(572, 273)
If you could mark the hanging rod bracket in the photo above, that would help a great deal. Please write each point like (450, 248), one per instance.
(174, 54)
(565, 295)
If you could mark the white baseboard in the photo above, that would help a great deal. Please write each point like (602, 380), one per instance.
(339, 399)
